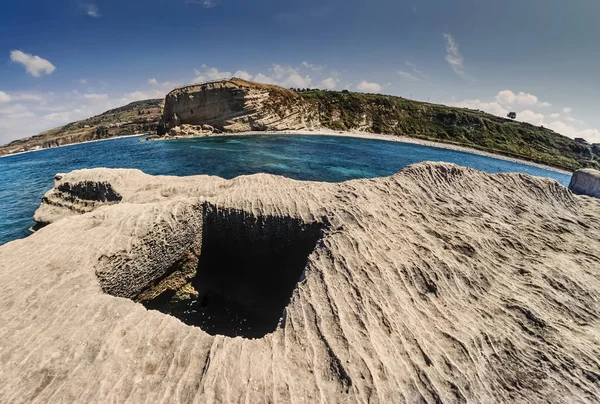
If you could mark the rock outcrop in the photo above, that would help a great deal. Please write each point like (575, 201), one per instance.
(586, 182)
(235, 106)
(437, 284)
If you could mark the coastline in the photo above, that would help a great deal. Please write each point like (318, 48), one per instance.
(73, 144)
(329, 132)
(389, 138)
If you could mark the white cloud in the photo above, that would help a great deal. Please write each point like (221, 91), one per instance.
(453, 56)
(554, 116)
(330, 83)
(35, 65)
(287, 76)
(507, 97)
(83, 81)
(165, 86)
(531, 117)
(315, 68)
(568, 110)
(91, 10)
(264, 79)
(210, 74)
(242, 74)
(489, 107)
(96, 97)
(368, 87)
(4, 98)
(591, 135)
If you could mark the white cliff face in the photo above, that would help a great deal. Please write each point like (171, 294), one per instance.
(439, 283)
(236, 106)
(586, 182)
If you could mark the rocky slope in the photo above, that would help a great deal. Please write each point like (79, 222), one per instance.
(236, 105)
(437, 284)
(136, 117)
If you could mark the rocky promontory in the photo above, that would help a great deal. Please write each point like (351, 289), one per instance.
(236, 106)
(437, 284)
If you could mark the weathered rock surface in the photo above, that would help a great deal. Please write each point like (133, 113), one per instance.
(586, 182)
(437, 284)
(237, 105)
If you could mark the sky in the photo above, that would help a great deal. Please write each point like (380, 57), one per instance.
(65, 60)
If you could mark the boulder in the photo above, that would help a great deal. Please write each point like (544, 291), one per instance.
(586, 182)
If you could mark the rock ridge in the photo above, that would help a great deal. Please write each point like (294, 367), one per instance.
(437, 284)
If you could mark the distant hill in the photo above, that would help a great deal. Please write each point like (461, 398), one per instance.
(136, 117)
(461, 126)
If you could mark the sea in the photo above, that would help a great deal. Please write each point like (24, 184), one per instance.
(24, 178)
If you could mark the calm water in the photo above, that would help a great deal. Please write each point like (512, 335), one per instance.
(25, 178)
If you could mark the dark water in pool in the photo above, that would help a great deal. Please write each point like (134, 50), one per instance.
(26, 177)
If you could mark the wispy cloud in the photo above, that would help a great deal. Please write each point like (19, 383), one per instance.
(406, 76)
(97, 97)
(414, 74)
(34, 65)
(203, 3)
(453, 56)
(91, 10)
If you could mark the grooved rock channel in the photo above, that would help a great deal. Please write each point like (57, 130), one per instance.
(437, 284)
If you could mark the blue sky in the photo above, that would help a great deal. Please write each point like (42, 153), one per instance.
(68, 59)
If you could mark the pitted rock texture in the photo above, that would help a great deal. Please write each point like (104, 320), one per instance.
(586, 182)
(236, 106)
(437, 284)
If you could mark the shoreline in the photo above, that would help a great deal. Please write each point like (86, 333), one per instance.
(329, 132)
(389, 138)
(73, 144)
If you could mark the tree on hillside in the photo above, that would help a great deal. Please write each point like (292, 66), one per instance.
(512, 115)
(101, 131)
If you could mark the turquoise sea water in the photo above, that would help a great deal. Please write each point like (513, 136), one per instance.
(26, 177)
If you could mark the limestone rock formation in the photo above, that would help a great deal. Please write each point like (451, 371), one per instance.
(437, 284)
(237, 105)
(586, 182)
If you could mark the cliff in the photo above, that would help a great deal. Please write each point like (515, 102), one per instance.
(436, 284)
(236, 105)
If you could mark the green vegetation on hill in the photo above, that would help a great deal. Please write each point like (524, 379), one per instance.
(136, 117)
(399, 116)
